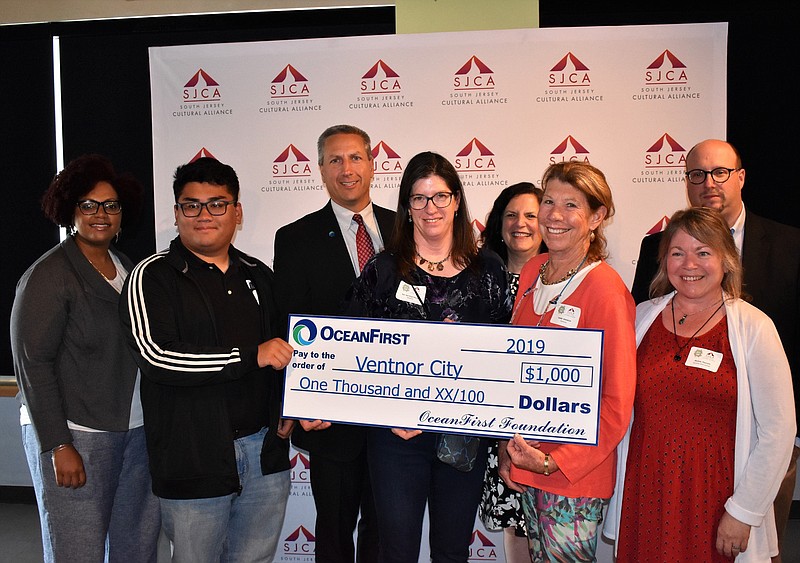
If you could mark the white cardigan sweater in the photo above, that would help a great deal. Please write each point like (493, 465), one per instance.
(765, 424)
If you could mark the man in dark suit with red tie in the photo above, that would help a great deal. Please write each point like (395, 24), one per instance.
(770, 254)
(316, 260)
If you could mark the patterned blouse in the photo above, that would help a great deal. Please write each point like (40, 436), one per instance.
(479, 295)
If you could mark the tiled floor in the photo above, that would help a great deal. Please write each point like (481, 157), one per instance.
(20, 541)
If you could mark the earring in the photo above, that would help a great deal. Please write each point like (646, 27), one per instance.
(591, 236)
(116, 238)
(409, 218)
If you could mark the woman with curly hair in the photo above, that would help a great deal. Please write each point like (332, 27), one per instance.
(81, 417)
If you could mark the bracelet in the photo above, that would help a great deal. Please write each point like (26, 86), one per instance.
(59, 448)
(546, 471)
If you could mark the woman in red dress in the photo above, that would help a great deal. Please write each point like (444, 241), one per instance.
(713, 424)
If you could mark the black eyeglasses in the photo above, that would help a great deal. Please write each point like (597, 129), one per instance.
(91, 206)
(216, 207)
(419, 201)
(719, 175)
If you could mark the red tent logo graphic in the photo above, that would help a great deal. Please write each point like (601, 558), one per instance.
(666, 152)
(299, 466)
(300, 460)
(294, 151)
(284, 74)
(475, 144)
(569, 72)
(570, 141)
(380, 79)
(474, 157)
(474, 62)
(301, 531)
(666, 69)
(291, 163)
(203, 153)
(481, 548)
(299, 542)
(194, 80)
(385, 160)
(667, 55)
(201, 88)
(561, 65)
(660, 226)
(474, 75)
(388, 72)
(664, 140)
(477, 226)
(289, 83)
(569, 150)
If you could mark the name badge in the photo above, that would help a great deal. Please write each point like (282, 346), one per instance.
(704, 359)
(566, 315)
(406, 292)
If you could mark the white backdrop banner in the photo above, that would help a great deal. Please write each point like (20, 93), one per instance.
(500, 105)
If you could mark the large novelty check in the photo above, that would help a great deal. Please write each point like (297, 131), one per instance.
(488, 380)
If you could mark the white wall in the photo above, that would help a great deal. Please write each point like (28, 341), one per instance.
(13, 467)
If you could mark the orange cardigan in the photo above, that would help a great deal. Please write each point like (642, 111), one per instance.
(606, 303)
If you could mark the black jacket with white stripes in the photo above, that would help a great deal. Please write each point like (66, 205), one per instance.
(170, 326)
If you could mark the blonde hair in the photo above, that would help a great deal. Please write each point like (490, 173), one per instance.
(707, 226)
(591, 182)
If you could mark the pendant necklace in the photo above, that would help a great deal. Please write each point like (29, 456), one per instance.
(683, 318)
(100, 272)
(677, 356)
(439, 266)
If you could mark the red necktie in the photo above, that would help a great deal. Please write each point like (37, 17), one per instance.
(363, 243)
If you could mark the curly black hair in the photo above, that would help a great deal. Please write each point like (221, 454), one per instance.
(78, 178)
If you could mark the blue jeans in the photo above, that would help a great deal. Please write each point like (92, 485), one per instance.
(114, 517)
(405, 476)
(237, 527)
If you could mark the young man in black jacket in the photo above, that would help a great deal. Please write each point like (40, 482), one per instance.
(202, 322)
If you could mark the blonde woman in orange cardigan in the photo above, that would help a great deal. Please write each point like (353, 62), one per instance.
(567, 486)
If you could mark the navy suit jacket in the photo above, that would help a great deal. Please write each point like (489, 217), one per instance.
(313, 272)
(771, 261)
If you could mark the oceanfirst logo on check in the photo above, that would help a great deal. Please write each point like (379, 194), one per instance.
(305, 332)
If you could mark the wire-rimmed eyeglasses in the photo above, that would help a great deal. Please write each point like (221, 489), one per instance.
(719, 175)
(215, 207)
(441, 199)
(91, 206)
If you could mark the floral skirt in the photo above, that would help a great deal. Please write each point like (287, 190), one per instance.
(562, 529)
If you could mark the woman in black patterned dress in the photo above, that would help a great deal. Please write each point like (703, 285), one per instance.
(512, 231)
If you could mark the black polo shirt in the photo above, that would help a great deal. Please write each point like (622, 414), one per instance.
(238, 325)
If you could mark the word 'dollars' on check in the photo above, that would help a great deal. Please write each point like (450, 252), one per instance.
(487, 380)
